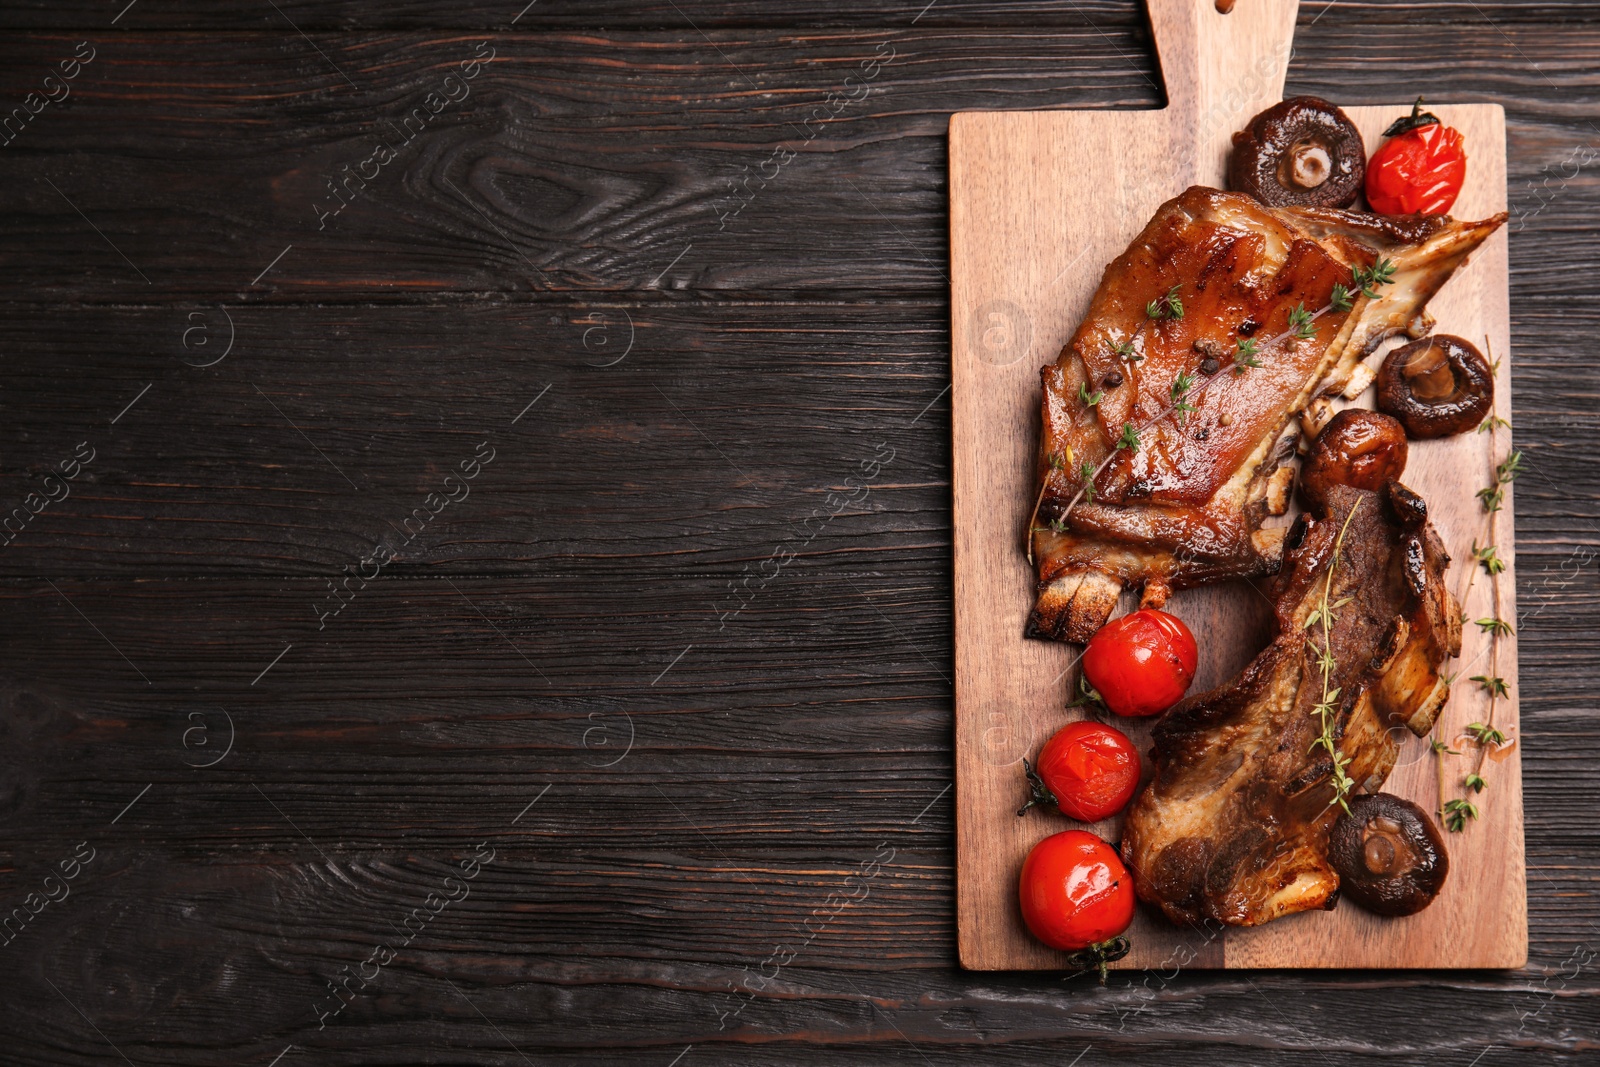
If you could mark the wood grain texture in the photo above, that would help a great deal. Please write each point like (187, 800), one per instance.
(348, 15)
(642, 895)
(592, 161)
(534, 181)
(652, 442)
(1038, 202)
(630, 919)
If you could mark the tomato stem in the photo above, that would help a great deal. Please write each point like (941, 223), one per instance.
(1090, 696)
(1041, 794)
(1097, 955)
(1416, 120)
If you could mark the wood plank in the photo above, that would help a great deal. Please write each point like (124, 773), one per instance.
(691, 438)
(1031, 194)
(602, 945)
(315, 16)
(777, 404)
(561, 147)
(832, 684)
(623, 162)
(366, 671)
(557, 969)
(642, 897)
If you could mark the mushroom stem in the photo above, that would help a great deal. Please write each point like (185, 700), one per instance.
(1309, 165)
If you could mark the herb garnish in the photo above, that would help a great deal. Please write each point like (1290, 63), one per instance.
(1300, 323)
(1245, 355)
(1180, 392)
(1185, 389)
(1486, 735)
(1328, 706)
(1456, 813)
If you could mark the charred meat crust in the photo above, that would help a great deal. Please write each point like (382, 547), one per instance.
(1234, 824)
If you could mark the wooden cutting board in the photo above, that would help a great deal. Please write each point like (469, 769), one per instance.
(1040, 202)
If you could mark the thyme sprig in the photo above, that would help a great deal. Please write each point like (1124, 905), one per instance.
(1086, 474)
(1245, 355)
(1181, 385)
(1457, 812)
(1300, 323)
(1494, 685)
(1165, 307)
(1369, 278)
(1485, 734)
(1505, 472)
(1440, 750)
(1326, 708)
(1057, 462)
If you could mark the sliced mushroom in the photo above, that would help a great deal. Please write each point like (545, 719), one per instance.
(1436, 386)
(1316, 416)
(1304, 152)
(1361, 376)
(1358, 448)
(1278, 490)
(1390, 856)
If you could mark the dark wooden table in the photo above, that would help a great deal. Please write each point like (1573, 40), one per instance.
(426, 637)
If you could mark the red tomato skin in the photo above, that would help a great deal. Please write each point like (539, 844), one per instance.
(1420, 171)
(1091, 768)
(1074, 891)
(1142, 663)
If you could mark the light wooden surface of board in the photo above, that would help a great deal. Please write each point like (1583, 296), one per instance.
(1040, 203)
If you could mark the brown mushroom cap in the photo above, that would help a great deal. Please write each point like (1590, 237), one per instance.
(1304, 152)
(1436, 386)
(1358, 448)
(1390, 856)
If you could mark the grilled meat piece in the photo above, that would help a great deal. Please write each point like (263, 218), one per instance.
(1234, 825)
(1186, 506)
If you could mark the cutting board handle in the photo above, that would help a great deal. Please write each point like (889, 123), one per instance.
(1221, 69)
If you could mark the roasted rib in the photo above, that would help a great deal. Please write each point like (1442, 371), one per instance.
(1187, 506)
(1234, 825)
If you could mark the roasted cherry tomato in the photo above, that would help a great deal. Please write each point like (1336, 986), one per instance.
(1088, 770)
(1420, 168)
(1141, 663)
(1075, 893)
